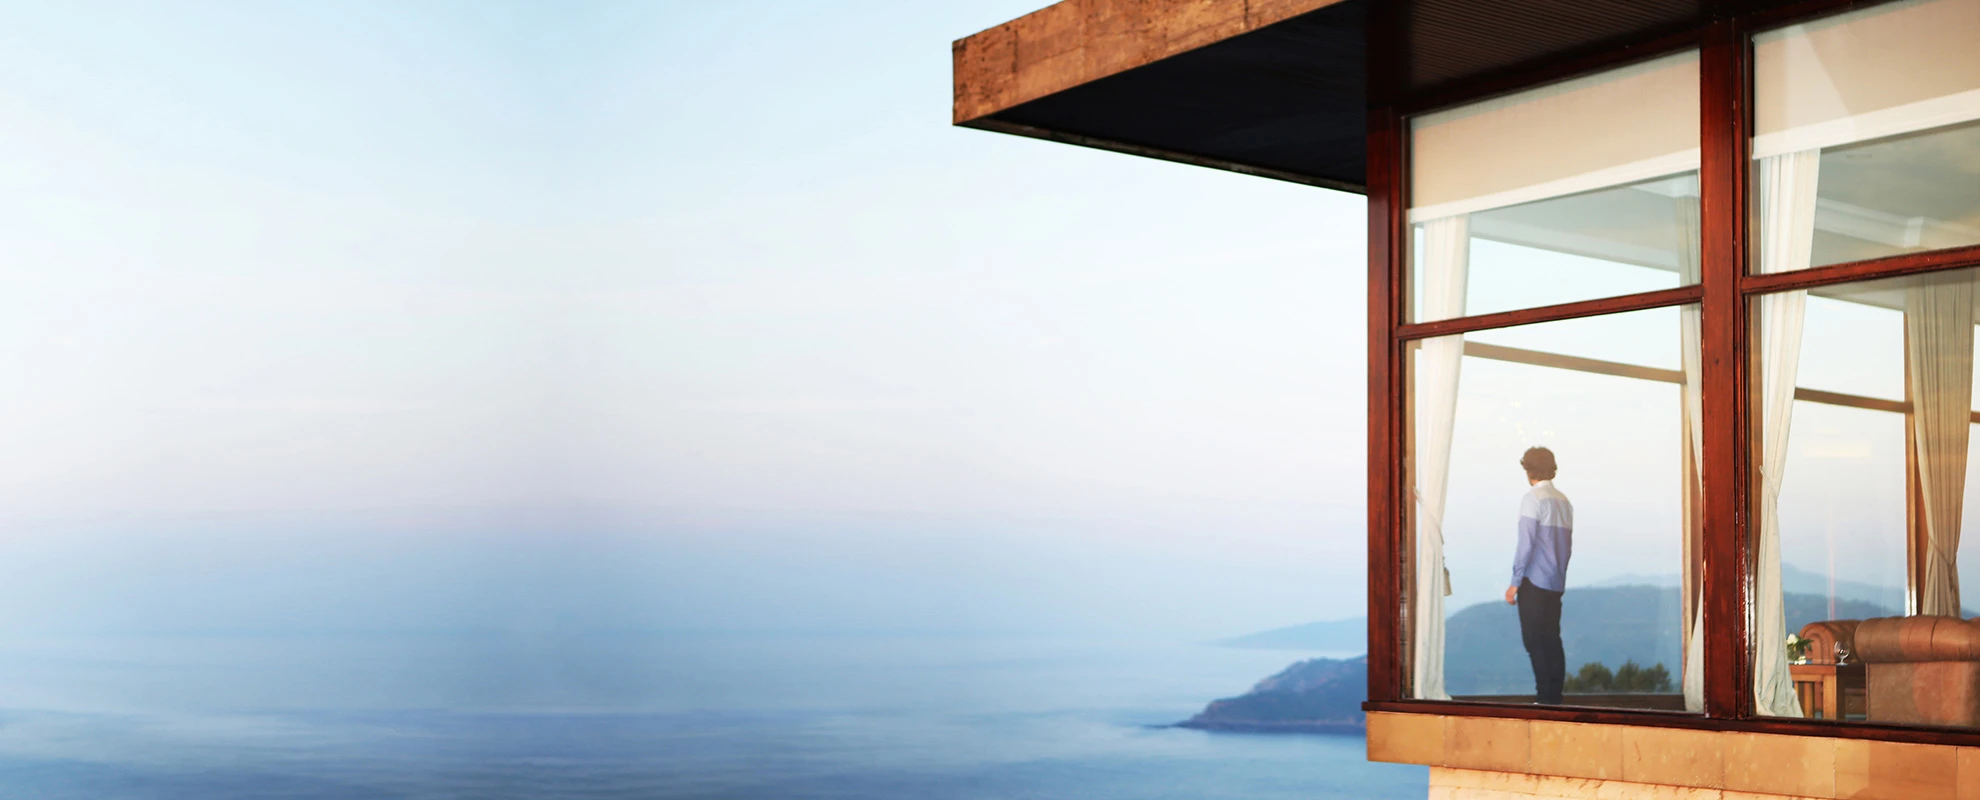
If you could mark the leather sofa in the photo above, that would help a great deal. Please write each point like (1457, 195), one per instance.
(1922, 670)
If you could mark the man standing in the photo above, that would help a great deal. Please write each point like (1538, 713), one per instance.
(1539, 573)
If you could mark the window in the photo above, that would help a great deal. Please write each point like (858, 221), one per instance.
(1584, 189)
(1867, 135)
(1861, 502)
(1613, 398)
(1842, 409)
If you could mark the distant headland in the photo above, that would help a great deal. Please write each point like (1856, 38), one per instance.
(1320, 695)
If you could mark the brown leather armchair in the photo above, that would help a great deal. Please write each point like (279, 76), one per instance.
(1829, 638)
(1923, 670)
(1831, 684)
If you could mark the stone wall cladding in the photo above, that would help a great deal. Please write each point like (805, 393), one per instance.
(1466, 784)
(1495, 759)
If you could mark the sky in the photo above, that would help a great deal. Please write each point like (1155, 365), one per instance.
(641, 316)
(986, 382)
(275, 287)
(692, 318)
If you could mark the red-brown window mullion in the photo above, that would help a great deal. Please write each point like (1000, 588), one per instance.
(1853, 271)
(1724, 96)
(1660, 298)
(1386, 489)
(1388, 195)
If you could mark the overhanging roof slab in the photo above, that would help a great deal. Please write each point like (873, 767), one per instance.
(1279, 88)
(1247, 85)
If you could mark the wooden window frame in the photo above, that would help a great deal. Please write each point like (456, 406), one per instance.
(1723, 294)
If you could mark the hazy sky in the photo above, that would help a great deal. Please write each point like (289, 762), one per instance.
(686, 317)
(276, 303)
(641, 315)
(925, 377)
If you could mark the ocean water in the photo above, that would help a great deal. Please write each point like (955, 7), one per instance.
(649, 716)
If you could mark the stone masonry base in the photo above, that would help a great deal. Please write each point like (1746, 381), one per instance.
(1471, 784)
(1484, 758)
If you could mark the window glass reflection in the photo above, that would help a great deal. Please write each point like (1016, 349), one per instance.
(1571, 578)
(1580, 190)
(1862, 499)
(1867, 135)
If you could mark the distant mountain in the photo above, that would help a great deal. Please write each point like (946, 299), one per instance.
(1794, 580)
(1637, 579)
(1336, 636)
(1483, 653)
(1321, 695)
(1854, 600)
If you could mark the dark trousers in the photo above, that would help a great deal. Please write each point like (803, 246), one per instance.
(1540, 628)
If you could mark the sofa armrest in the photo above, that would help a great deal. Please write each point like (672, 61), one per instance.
(1917, 639)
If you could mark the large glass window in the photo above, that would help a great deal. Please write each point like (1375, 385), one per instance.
(1865, 397)
(1867, 135)
(1579, 190)
(1866, 145)
(1580, 563)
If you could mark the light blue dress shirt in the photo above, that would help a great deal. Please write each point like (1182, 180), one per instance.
(1546, 538)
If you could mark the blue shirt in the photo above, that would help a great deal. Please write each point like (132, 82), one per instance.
(1546, 538)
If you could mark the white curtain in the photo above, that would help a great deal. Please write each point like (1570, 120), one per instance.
(1446, 263)
(1787, 231)
(1938, 327)
(1689, 328)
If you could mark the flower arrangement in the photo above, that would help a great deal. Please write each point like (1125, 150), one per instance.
(1797, 649)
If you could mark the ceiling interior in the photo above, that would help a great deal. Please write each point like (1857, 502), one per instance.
(1284, 100)
(1288, 100)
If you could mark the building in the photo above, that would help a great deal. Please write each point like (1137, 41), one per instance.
(1720, 255)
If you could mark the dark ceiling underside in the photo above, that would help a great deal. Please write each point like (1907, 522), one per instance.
(1457, 41)
(1284, 100)
(1287, 101)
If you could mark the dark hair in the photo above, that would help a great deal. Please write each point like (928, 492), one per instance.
(1539, 464)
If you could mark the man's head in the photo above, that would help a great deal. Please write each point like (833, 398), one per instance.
(1539, 464)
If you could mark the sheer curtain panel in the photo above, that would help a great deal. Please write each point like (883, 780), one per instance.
(1787, 228)
(1447, 256)
(1938, 327)
(1689, 333)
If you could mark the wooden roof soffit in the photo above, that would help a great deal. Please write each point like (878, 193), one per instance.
(1077, 41)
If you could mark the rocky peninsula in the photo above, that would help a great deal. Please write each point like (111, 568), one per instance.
(1319, 695)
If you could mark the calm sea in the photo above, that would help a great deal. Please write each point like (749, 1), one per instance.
(649, 716)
